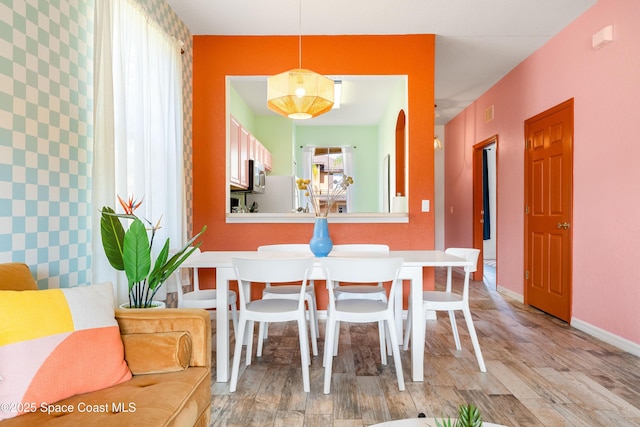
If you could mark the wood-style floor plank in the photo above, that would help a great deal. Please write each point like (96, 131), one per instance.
(540, 372)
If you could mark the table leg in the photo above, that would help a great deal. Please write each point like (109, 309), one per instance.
(417, 330)
(223, 276)
(397, 311)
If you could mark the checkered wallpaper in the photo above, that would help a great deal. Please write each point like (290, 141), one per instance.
(46, 104)
(46, 132)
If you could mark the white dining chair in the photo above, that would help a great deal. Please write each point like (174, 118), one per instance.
(204, 298)
(365, 271)
(449, 301)
(292, 291)
(272, 270)
(374, 291)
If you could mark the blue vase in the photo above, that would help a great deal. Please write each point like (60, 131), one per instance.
(321, 243)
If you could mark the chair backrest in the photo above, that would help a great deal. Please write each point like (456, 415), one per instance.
(361, 247)
(272, 270)
(178, 275)
(285, 247)
(361, 270)
(470, 254)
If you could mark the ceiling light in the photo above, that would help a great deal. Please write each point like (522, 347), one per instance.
(300, 93)
(437, 144)
(337, 94)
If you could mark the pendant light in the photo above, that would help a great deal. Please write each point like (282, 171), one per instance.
(437, 144)
(300, 93)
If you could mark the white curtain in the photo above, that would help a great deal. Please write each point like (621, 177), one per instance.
(307, 165)
(138, 127)
(347, 160)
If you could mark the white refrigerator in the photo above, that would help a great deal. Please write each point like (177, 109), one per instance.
(281, 195)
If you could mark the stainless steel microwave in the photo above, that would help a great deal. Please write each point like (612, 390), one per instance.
(257, 177)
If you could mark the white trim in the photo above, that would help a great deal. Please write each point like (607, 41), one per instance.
(354, 218)
(608, 337)
(619, 342)
(511, 294)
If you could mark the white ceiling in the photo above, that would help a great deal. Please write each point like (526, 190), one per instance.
(477, 41)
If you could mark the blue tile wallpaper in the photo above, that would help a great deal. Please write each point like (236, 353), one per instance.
(46, 132)
(46, 107)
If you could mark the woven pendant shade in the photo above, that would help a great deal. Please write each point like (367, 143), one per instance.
(299, 94)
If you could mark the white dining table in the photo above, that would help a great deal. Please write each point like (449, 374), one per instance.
(412, 269)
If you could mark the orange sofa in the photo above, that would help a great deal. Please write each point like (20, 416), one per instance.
(169, 354)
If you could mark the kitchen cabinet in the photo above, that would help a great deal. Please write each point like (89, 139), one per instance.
(243, 146)
(266, 158)
(234, 152)
(259, 153)
(239, 150)
(244, 157)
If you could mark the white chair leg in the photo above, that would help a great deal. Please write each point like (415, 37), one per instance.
(234, 319)
(388, 341)
(249, 331)
(262, 327)
(315, 311)
(335, 338)
(474, 339)
(235, 368)
(312, 325)
(305, 359)
(383, 347)
(393, 337)
(265, 331)
(328, 353)
(454, 329)
(407, 330)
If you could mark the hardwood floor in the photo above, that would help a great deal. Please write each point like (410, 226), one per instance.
(540, 372)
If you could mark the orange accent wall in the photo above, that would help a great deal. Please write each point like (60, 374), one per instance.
(215, 57)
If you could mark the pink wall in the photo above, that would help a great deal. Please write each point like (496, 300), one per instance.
(605, 85)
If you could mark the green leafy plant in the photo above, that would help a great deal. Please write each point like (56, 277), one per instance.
(130, 251)
(468, 416)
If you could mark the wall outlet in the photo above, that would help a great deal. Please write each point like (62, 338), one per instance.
(425, 206)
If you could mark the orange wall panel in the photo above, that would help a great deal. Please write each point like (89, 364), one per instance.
(215, 57)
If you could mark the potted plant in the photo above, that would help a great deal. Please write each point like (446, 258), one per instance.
(468, 416)
(130, 251)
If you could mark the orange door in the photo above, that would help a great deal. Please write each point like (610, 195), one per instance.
(548, 210)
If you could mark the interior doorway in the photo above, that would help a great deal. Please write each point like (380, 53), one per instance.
(485, 168)
(400, 155)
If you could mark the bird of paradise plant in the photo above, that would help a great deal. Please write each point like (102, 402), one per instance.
(339, 188)
(130, 251)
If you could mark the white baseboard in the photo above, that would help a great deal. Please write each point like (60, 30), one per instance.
(513, 295)
(594, 331)
(608, 337)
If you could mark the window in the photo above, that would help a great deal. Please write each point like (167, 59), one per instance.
(326, 167)
(138, 149)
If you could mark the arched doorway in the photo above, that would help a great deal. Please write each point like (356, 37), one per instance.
(400, 155)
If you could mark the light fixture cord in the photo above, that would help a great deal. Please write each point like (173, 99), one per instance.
(300, 34)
